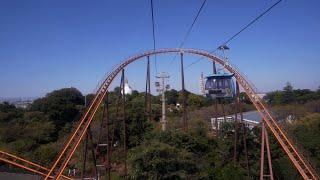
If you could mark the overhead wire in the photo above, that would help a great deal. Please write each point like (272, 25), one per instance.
(239, 32)
(153, 35)
(190, 28)
(193, 23)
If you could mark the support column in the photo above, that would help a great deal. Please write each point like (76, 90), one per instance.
(216, 115)
(244, 131)
(269, 154)
(214, 69)
(117, 119)
(262, 152)
(237, 99)
(148, 91)
(108, 168)
(164, 121)
(124, 122)
(96, 173)
(184, 103)
(84, 156)
(162, 88)
(223, 110)
(265, 142)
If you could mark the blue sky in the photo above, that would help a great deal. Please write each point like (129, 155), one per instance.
(47, 45)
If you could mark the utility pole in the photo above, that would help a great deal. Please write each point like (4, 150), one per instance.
(201, 85)
(162, 87)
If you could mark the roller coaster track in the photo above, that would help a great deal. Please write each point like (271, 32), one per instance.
(299, 161)
(25, 164)
(303, 167)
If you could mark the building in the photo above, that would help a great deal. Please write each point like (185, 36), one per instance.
(127, 88)
(250, 118)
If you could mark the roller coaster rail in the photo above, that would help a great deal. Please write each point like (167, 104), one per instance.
(295, 155)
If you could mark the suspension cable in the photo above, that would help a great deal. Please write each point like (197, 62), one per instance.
(190, 29)
(153, 34)
(193, 23)
(240, 31)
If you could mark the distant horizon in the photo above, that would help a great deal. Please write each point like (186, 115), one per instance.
(40, 96)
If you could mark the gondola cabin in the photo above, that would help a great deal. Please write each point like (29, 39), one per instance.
(220, 86)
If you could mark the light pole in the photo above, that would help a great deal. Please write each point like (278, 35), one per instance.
(162, 87)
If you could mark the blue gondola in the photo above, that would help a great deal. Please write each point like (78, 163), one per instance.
(220, 86)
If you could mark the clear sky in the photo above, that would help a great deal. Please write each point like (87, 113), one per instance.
(46, 45)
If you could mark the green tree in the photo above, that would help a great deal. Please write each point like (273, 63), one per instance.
(61, 106)
(274, 97)
(9, 112)
(196, 100)
(172, 96)
(288, 95)
(155, 160)
(6, 107)
(244, 98)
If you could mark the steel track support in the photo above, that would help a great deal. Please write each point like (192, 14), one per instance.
(108, 168)
(124, 123)
(96, 173)
(265, 142)
(215, 102)
(103, 142)
(85, 149)
(115, 122)
(240, 130)
(223, 110)
(214, 69)
(244, 131)
(236, 124)
(99, 155)
(148, 92)
(184, 101)
(216, 116)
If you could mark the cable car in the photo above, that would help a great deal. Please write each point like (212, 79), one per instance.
(220, 86)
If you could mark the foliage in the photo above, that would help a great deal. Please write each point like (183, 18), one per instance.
(61, 106)
(244, 98)
(39, 132)
(156, 160)
(196, 101)
(307, 133)
(290, 95)
(209, 158)
(172, 96)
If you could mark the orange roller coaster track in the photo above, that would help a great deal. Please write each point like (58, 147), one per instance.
(25, 164)
(299, 161)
